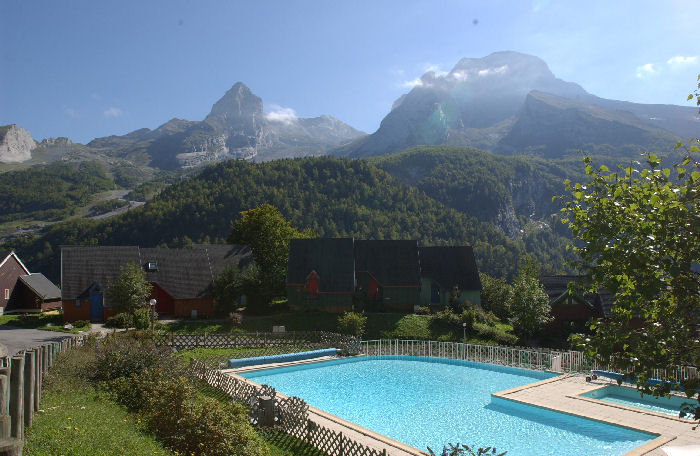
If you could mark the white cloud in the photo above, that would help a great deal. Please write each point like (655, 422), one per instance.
(280, 114)
(490, 71)
(113, 112)
(460, 75)
(645, 70)
(681, 60)
(439, 72)
(417, 82)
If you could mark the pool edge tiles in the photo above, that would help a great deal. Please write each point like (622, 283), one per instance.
(654, 443)
(532, 378)
(590, 396)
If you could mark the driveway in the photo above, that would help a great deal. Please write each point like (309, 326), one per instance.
(16, 339)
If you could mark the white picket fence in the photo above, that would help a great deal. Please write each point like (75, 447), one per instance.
(561, 361)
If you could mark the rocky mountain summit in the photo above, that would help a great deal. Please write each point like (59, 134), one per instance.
(236, 127)
(16, 144)
(512, 103)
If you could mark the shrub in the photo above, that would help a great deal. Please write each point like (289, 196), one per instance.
(486, 317)
(467, 316)
(234, 319)
(423, 310)
(495, 334)
(352, 323)
(121, 355)
(81, 323)
(142, 318)
(447, 319)
(120, 320)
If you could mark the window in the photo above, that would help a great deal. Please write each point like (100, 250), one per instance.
(77, 304)
(7, 293)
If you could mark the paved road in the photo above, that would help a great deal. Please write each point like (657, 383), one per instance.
(17, 339)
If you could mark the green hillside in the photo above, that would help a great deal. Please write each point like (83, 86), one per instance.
(333, 196)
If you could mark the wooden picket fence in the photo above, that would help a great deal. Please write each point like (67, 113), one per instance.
(291, 414)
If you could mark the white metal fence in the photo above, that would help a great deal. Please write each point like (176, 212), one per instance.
(562, 361)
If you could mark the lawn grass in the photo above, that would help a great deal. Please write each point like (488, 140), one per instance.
(214, 356)
(46, 321)
(77, 419)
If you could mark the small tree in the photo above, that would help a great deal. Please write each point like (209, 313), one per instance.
(226, 288)
(496, 295)
(352, 323)
(129, 291)
(454, 300)
(529, 303)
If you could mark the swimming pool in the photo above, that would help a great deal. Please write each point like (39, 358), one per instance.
(431, 401)
(629, 397)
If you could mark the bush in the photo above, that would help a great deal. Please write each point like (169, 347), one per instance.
(423, 310)
(120, 320)
(142, 318)
(81, 323)
(467, 316)
(447, 319)
(486, 317)
(352, 323)
(234, 319)
(121, 355)
(495, 334)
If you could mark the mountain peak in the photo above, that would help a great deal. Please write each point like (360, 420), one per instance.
(237, 103)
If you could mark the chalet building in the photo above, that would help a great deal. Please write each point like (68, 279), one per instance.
(181, 278)
(22, 291)
(443, 269)
(337, 275)
(573, 310)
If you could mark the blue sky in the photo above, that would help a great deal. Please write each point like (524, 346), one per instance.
(85, 69)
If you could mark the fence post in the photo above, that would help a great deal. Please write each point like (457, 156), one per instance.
(340, 448)
(5, 403)
(266, 406)
(29, 364)
(38, 378)
(17, 397)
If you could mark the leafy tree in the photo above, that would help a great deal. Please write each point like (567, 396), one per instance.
(352, 323)
(496, 295)
(226, 288)
(129, 291)
(529, 304)
(636, 232)
(268, 234)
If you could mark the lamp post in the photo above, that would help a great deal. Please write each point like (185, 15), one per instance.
(153, 303)
(464, 332)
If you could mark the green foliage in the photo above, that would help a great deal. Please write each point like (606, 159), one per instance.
(142, 318)
(267, 233)
(496, 295)
(121, 320)
(25, 194)
(332, 196)
(106, 206)
(226, 289)
(636, 234)
(423, 310)
(352, 323)
(121, 355)
(501, 337)
(129, 291)
(529, 304)
(464, 450)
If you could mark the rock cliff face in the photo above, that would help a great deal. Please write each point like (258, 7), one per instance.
(16, 144)
(512, 103)
(235, 128)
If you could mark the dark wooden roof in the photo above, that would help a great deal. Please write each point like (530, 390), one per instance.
(390, 262)
(558, 286)
(183, 273)
(450, 266)
(41, 286)
(332, 259)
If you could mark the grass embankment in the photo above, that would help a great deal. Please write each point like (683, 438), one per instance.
(47, 321)
(77, 418)
(379, 326)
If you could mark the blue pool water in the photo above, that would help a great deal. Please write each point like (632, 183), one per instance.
(430, 402)
(629, 397)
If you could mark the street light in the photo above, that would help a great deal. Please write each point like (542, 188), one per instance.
(464, 332)
(153, 303)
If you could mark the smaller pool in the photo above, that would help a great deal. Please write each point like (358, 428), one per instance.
(630, 397)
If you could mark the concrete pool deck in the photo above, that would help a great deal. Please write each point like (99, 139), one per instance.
(560, 394)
